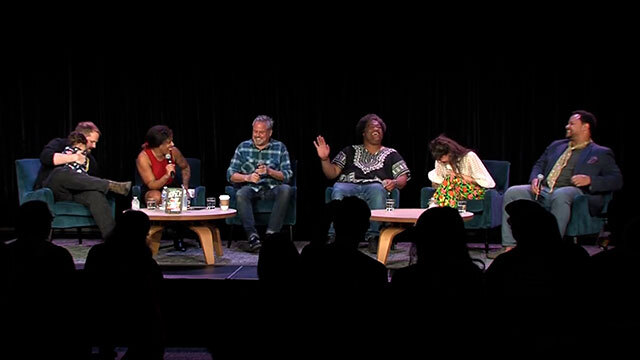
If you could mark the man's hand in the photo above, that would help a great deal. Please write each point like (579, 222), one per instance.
(535, 189)
(253, 177)
(262, 170)
(389, 184)
(322, 148)
(581, 180)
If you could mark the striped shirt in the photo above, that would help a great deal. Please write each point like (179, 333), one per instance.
(247, 158)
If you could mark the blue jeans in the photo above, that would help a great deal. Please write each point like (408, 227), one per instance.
(374, 194)
(558, 203)
(245, 198)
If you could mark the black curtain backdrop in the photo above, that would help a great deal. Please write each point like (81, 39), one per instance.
(504, 106)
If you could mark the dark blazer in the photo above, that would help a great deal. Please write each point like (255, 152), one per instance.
(595, 161)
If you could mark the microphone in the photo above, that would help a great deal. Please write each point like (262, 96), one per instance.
(540, 177)
(168, 157)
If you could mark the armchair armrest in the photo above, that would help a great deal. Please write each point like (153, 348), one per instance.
(42, 194)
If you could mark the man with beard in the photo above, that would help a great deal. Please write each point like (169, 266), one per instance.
(573, 166)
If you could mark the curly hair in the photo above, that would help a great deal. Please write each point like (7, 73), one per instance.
(365, 119)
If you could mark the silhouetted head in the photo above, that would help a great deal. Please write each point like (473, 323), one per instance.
(532, 225)
(132, 228)
(440, 230)
(34, 221)
(351, 220)
(278, 260)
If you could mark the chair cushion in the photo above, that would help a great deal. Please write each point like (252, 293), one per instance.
(70, 208)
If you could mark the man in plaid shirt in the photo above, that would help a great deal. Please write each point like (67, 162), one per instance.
(262, 169)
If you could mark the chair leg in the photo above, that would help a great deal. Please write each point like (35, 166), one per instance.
(291, 233)
(230, 236)
(79, 231)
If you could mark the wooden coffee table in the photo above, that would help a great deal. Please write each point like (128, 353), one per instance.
(200, 221)
(398, 216)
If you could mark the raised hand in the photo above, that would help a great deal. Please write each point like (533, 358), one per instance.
(322, 148)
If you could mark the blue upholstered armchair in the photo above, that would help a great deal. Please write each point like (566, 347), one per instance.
(581, 222)
(194, 183)
(67, 214)
(487, 213)
(262, 208)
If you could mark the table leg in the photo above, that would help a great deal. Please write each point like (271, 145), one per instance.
(386, 239)
(206, 241)
(217, 240)
(154, 237)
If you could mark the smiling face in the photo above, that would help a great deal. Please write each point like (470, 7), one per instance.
(166, 146)
(261, 134)
(373, 133)
(576, 129)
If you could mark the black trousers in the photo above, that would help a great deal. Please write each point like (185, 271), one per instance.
(90, 191)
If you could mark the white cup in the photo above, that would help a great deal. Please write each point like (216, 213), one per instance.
(224, 202)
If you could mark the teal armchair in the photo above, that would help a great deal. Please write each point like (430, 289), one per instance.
(582, 222)
(194, 183)
(67, 214)
(487, 213)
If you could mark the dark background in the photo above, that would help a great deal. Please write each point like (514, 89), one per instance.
(503, 103)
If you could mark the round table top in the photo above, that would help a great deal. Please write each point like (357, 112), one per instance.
(190, 215)
(409, 216)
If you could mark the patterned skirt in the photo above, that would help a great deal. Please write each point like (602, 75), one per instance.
(453, 189)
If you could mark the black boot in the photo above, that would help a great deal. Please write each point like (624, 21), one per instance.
(178, 244)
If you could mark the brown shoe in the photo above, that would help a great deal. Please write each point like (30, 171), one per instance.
(494, 254)
(121, 188)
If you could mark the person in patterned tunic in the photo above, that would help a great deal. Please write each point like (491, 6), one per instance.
(369, 170)
(77, 144)
(458, 173)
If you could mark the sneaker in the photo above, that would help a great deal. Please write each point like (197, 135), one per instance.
(494, 254)
(254, 243)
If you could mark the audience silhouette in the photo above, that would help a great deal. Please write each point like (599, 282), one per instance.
(615, 275)
(439, 288)
(38, 289)
(125, 284)
(540, 283)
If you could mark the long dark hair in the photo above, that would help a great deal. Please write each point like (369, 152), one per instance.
(443, 145)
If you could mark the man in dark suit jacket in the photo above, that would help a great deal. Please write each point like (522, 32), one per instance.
(569, 167)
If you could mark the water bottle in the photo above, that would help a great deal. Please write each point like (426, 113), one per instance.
(163, 201)
(184, 199)
(135, 203)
